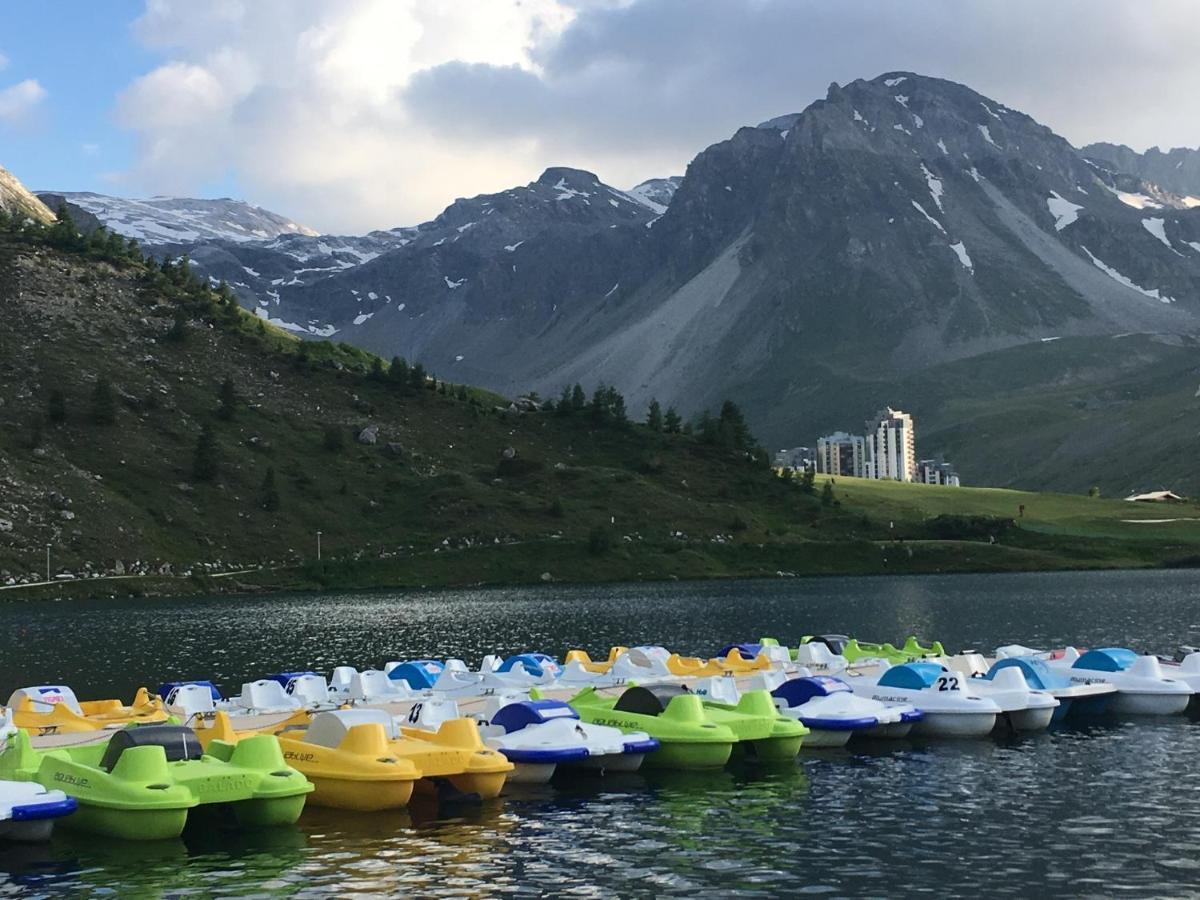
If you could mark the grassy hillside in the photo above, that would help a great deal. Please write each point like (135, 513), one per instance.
(111, 370)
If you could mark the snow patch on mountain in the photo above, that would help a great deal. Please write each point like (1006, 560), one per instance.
(935, 186)
(960, 250)
(1157, 227)
(987, 134)
(1127, 282)
(932, 221)
(1064, 211)
(892, 82)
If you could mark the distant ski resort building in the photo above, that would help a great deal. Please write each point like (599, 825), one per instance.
(937, 471)
(841, 454)
(887, 452)
(798, 459)
(891, 446)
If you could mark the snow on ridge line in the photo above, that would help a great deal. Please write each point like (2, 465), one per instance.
(1127, 282)
(935, 186)
(892, 82)
(1064, 211)
(960, 250)
(932, 221)
(1158, 228)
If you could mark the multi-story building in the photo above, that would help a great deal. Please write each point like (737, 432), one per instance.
(841, 454)
(798, 459)
(938, 471)
(891, 452)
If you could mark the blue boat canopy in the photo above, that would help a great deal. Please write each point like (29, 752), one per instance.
(419, 674)
(1106, 659)
(1038, 674)
(748, 650)
(516, 716)
(912, 676)
(164, 689)
(798, 691)
(534, 663)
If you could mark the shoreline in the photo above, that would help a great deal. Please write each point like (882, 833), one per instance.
(500, 567)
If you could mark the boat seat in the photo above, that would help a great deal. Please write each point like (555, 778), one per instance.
(341, 679)
(310, 689)
(649, 700)
(374, 684)
(329, 729)
(267, 694)
(191, 699)
(179, 743)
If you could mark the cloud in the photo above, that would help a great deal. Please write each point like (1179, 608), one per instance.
(3, 62)
(18, 102)
(375, 113)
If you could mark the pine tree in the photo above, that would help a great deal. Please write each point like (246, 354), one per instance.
(206, 460)
(578, 397)
(732, 431)
(827, 494)
(104, 403)
(654, 418)
(398, 371)
(377, 373)
(179, 328)
(707, 428)
(268, 495)
(56, 407)
(228, 396)
(672, 423)
(416, 376)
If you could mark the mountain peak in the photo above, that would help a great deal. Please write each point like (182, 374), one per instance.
(573, 178)
(16, 199)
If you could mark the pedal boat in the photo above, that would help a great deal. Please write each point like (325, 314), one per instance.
(948, 705)
(1075, 700)
(1023, 705)
(540, 737)
(345, 751)
(143, 783)
(54, 709)
(833, 713)
(1186, 668)
(1143, 688)
(688, 736)
(763, 733)
(625, 665)
(28, 811)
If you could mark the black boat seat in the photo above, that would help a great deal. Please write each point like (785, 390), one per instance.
(179, 743)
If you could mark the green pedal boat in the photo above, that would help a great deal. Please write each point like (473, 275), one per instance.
(688, 736)
(143, 782)
(763, 734)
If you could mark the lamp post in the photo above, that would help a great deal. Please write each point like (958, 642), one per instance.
(47, 562)
(318, 546)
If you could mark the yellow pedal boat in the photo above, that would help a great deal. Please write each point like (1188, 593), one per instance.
(734, 663)
(54, 709)
(596, 666)
(361, 759)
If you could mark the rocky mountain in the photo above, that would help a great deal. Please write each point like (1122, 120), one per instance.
(656, 193)
(176, 220)
(1177, 171)
(884, 245)
(16, 200)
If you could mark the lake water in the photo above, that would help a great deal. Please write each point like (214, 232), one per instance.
(1103, 810)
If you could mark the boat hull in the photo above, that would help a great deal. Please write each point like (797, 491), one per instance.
(775, 749)
(1127, 703)
(1036, 719)
(608, 762)
(359, 795)
(689, 755)
(824, 738)
(531, 773)
(955, 725)
(128, 824)
(892, 731)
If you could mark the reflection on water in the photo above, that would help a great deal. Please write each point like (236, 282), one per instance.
(1104, 810)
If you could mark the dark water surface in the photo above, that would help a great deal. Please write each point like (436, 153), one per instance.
(1103, 811)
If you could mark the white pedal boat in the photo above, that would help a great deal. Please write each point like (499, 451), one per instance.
(286, 693)
(637, 664)
(1143, 688)
(1024, 707)
(833, 713)
(949, 707)
(540, 736)
(28, 810)
(453, 678)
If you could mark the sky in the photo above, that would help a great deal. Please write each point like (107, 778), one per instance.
(360, 114)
